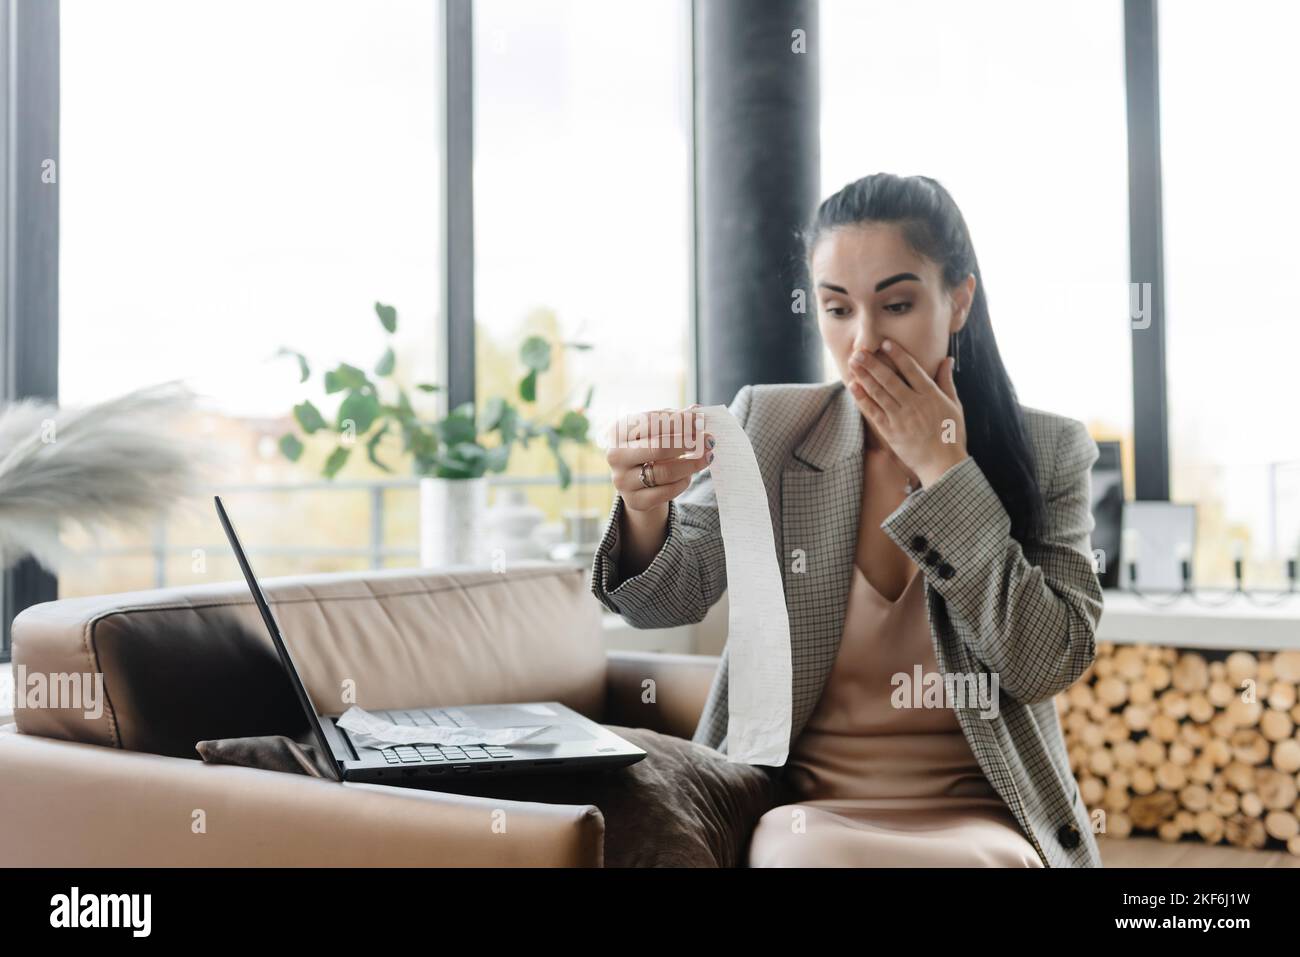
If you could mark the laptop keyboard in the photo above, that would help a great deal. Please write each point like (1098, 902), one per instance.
(437, 753)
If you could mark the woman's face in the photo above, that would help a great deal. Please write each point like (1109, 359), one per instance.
(871, 285)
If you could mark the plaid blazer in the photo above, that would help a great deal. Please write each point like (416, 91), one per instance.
(1029, 615)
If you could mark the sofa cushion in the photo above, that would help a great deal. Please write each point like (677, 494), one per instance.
(683, 805)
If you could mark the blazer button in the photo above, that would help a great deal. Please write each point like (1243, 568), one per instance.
(931, 557)
(946, 571)
(1068, 835)
(919, 543)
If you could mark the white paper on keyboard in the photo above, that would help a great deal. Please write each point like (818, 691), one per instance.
(370, 731)
(758, 639)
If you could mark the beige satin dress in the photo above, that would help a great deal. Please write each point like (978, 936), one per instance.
(881, 786)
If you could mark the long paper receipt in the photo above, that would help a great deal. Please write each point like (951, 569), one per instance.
(759, 677)
(371, 731)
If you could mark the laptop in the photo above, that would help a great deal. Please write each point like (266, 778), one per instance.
(571, 743)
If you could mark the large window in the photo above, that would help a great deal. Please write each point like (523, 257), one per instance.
(236, 177)
(1017, 108)
(583, 212)
(1231, 199)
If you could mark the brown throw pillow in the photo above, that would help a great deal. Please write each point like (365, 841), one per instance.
(682, 805)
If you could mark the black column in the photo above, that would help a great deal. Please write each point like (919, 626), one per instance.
(29, 239)
(757, 159)
(1146, 251)
(458, 197)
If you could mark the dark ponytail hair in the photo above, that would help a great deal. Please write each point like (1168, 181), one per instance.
(933, 226)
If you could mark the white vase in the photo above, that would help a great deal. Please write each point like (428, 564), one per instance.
(451, 521)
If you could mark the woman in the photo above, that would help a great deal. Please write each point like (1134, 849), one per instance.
(926, 522)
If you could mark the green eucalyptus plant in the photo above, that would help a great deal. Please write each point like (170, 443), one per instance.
(374, 405)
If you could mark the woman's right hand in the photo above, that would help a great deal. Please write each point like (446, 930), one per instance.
(670, 446)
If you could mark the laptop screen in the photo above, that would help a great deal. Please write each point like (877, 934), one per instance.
(327, 753)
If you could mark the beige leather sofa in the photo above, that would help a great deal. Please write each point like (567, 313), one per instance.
(124, 786)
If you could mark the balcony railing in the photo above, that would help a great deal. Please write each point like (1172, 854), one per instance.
(375, 549)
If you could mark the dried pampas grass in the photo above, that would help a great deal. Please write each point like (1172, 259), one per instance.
(123, 462)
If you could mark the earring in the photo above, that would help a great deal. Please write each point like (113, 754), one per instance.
(954, 350)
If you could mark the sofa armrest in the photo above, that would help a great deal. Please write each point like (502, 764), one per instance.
(681, 687)
(68, 804)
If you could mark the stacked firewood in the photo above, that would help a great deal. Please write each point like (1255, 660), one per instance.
(1188, 744)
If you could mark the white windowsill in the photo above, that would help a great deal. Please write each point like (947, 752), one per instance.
(1239, 624)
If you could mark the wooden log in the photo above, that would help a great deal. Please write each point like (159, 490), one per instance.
(1249, 746)
(1114, 729)
(1286, 666)
(1275, 789)
(1130, 662)
(1210, 826)
(1243, 831)
(1218, 751)
(1195, 797)
(1199, 708)
(1138, 716)
(1144, 781)
(1170, 776)
(1191, 673)
(1148, 810)
(1126, 755)
(1286, 756)
(1157, 675)
(1163, 728)
(1080, 696)
(1282, 825)
(1115, 799)
(1112, 691)
(1224, 802)
(1241, 666)
(1276, 725)
(1201, 770)
(1174, 704)
(1170, 831)
(1100, 762)
(1191, 734)
(1220, 693)
(1244, 714)
(1281, 696)
(1151, 752)
(1240, 776)
(1139, 692)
